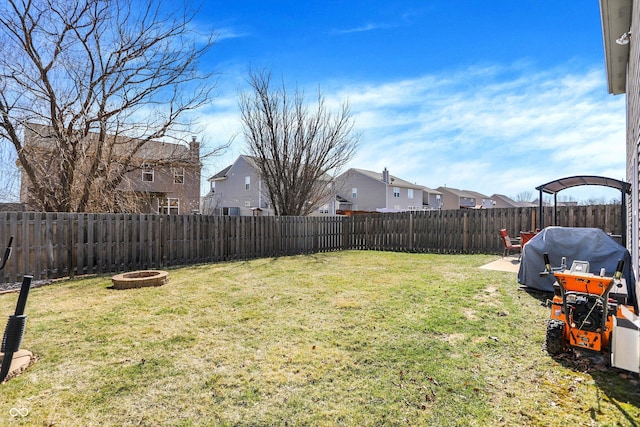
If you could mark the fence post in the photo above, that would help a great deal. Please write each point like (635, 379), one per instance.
(465, 232)
(70, 248)
(410, 231)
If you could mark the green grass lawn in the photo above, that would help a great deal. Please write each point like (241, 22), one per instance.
(345, 338)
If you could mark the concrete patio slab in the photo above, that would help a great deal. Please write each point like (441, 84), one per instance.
(510, 264)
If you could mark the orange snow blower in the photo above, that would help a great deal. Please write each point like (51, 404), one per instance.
(590, 311)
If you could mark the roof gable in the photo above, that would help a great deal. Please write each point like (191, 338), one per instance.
(377, 176)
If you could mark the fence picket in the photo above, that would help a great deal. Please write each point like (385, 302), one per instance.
(53, 245)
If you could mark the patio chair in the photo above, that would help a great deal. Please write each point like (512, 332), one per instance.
(508, 245)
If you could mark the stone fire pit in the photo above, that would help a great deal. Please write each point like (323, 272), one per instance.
(140, 279)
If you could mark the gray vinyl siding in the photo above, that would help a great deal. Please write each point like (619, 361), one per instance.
(633, 118)
(431, 200)
(374, 194)
(370, 192)
(230, 192)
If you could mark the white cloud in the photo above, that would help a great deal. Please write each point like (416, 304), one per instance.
(490, 129)
(224, 33)
(477, 131)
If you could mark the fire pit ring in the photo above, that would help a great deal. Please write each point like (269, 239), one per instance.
(140, 279)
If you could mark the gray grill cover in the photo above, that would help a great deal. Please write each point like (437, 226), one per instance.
(583, 244)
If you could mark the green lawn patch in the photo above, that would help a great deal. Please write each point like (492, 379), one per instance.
(344, 338)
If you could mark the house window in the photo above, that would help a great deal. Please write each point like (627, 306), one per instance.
(247, 204)
(247, 183)
(438, 197)
(410, 193)
(170, 206)
(213, 187)
(147, 173)
(178, 175)
(396, 192)
(354, 193)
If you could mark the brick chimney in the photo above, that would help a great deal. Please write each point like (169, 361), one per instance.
(194, 150)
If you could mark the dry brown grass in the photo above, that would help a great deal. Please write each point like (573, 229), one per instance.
(349, 338)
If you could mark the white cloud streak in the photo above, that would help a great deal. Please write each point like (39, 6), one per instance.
(360, 29)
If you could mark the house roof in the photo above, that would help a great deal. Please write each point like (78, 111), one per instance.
(394, 180)
(476, 194)
(154, 150)
(220, 175)
(430, 190)
(456, 192)
(616, 21)
(225, 172)
(39, 135)
(251, 161)
(510, 202)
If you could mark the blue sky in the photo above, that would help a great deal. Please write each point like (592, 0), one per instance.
(492, 96)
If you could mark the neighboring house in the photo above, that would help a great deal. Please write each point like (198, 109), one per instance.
(361, 190)
(343, 205)
(452, 198)
(171, 187)
(502, 201)
(431, 199)
(164, 177)
(482, 201)
(237, 190)
(621, 39)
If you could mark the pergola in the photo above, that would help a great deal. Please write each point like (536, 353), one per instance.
(558, 185)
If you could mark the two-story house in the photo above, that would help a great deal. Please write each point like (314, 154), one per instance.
(482, 201)
(452, 198)
(161, 178)
(169, 177)
(238, 190)
(361, 190)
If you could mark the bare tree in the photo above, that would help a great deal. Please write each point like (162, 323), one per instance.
(104, 78)
(602, 200)
(524, 196)
(298, 150)
(9, 177)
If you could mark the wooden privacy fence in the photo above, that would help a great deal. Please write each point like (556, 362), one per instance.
(54, 245)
